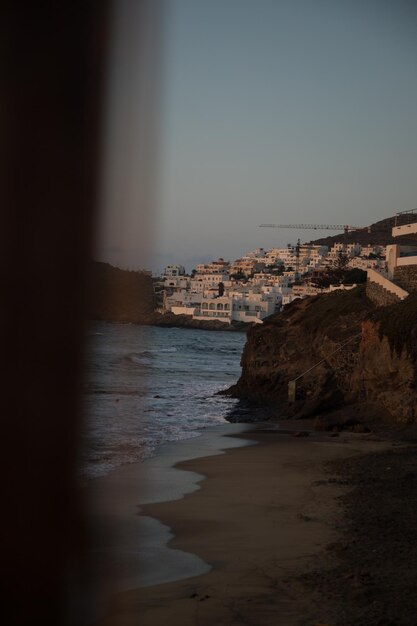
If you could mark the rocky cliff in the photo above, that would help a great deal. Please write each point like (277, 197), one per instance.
(358, 354)
(387, 360)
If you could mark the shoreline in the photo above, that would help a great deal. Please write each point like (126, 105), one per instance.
(118, 560)
(258, 521)
(170, 320)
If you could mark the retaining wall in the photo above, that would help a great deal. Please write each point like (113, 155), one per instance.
(406, 276)
(379, 295)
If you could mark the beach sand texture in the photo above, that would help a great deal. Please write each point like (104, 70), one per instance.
(260, 520)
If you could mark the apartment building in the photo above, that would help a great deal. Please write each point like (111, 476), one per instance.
(253, 307)
(174, 270)
(246, 266)
(200, 282)
(215, 267)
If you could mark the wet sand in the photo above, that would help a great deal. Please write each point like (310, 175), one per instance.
(128, 548)
(260, 520)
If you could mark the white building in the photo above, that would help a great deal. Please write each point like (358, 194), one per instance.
(246, 266)
(176, 282)
(239, 308)
(200, 282)
(215, 267)
(372, 250)
(181, 298)
(343, 249)
(363, 263)
(174, 270)
(288, 298)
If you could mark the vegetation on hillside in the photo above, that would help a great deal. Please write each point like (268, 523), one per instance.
(339, 274)
(118, 295)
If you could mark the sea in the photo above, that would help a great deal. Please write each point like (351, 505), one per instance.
(146, 386)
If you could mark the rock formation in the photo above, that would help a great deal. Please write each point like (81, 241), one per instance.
(358, 354)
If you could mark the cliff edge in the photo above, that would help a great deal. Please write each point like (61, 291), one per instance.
(341, 349)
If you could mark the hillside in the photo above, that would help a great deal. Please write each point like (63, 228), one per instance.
(117, 295)
(380, 234)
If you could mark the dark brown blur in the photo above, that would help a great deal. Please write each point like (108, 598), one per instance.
(53, 56)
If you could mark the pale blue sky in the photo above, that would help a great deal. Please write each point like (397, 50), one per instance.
(283, 111)
(271, 111)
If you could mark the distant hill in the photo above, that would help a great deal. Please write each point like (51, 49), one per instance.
(125, 296)
(117, 295)
(380, 234)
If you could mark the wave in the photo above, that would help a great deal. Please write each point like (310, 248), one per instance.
(147, 386)
(157, 351)
(216, 349)
(144, 357)
(114, 391)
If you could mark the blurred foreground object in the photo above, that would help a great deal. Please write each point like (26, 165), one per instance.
(52, 57)
(69, 75)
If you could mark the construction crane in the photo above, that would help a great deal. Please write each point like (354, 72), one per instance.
(346, 229)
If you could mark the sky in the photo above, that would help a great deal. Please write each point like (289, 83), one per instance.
(272, 111)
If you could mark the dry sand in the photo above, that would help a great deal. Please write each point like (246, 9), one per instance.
(260, 521)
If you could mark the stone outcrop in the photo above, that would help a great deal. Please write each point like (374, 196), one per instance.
(360, 353)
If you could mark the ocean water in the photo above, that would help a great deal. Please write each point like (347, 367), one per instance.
(146, 386)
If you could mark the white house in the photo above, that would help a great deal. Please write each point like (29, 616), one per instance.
(239, 307)
(174, 270)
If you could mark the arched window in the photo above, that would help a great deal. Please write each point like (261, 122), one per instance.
(220, 306)
(212, 306)
(227, 306)
(205, 305)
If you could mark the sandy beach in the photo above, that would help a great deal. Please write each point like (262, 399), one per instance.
(261, 519)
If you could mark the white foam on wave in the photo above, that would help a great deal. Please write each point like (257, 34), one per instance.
(163, 390)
